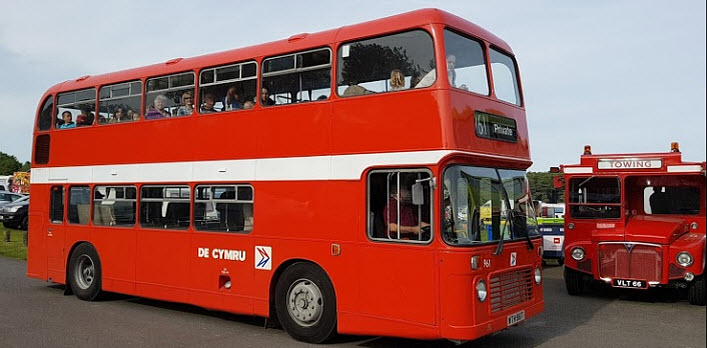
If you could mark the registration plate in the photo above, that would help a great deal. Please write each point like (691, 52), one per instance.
(515, 318)
(628, 283)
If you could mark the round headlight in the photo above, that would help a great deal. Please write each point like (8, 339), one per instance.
(481, 291)
(578, 254)
(570, 226)
(684, 259)
(538, 275)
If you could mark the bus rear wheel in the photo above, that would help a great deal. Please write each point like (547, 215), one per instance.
(696, 293)
(305, 303)
(85, 273)
(574, 281)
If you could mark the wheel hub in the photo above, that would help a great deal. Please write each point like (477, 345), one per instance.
(85, 271)
(306, 304)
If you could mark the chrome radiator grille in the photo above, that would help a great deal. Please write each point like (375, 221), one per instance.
(510, 288)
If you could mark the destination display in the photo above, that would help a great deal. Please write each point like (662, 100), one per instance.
(495, 127)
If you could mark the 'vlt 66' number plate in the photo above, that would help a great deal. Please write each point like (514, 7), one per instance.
(627, 283)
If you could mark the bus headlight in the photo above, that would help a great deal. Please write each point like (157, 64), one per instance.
(538, 275)
(684, 259)
(481, 291)
(578, 254)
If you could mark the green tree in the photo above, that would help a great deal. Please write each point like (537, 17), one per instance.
(542, 187)
(25, 167)
(8, 164)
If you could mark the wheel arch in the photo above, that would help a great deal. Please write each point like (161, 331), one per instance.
(67, 288)
(276, 278)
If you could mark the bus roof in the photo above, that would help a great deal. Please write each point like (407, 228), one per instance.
(632, 163)
(413, 19)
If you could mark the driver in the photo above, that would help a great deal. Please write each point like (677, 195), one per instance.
(410, 224)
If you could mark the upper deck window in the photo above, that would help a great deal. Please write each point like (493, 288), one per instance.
(45, 116)
(298, 77)
(75, 109)
(170, 96)
(595, 198)
(229, 87)
(387, 63)
(120, 103)
(505, 80)
(466, 66)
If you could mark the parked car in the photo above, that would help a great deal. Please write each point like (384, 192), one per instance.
(14, 215)
(9, 197)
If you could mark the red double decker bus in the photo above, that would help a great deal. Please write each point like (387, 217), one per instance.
(635, 221)
(332, 182)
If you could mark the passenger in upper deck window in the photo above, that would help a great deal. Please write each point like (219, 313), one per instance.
(158, 109)
(187, 107)
(85, 118)
(67, 118)
(431, 76)
(207, 106)
(397, 80)
(265, 97)
(230, 101)
(248, 105)
(118, 116)
(133, 115)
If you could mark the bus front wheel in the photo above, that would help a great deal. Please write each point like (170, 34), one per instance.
(306, 304)
(574, 281)
(85, 273)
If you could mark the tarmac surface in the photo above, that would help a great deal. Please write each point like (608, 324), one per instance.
(34, 313)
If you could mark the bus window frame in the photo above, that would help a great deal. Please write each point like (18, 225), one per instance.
(570, 204)
(56, 108)
(262, 75)
(52, 112)
(486, 56)
(425, 29)
(128, 82)
(194, 200)
(164, 187)
(368, 206)
(168, 89)
(521, 97)
(199, 85)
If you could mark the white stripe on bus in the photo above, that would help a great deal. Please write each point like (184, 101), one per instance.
(339, 167)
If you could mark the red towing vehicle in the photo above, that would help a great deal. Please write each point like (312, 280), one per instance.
(635, 221)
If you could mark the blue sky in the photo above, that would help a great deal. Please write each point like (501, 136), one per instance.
(623, 76)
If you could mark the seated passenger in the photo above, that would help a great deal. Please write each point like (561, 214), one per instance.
(187, 107)
(158, 109)
(230, 101)
(409, 228)
(85, 118)
(208, 106)
(354, 90)
(265, 97)
(431, 76)
(118, 116)
(397, 80)
(248, 105)
(133, 115)
(67, 118)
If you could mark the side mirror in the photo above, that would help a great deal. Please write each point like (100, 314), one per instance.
(418, 195)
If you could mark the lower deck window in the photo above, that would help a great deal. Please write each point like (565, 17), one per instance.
(114, 205)
(223, 208)
(164, 207)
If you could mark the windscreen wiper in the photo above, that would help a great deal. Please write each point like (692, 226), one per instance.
(499, 248)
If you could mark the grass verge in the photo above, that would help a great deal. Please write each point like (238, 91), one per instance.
(15, 248)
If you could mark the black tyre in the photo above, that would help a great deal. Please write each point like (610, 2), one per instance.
(24, 223)
(85, 273)
(306, 304)
(574, 281)
(696, 292)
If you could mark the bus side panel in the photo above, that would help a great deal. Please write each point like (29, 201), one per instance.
(116, 249)
(36, 246)
(406, 121)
